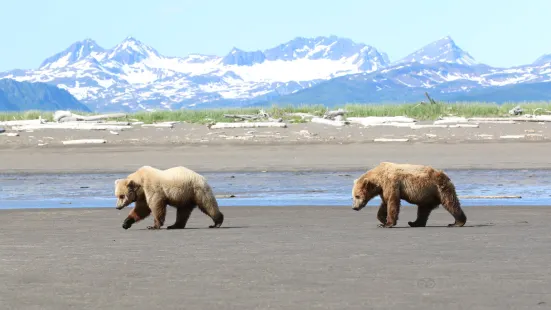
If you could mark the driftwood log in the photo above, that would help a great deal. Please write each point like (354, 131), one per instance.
(68, 116)
(84, 141)
(248, 125)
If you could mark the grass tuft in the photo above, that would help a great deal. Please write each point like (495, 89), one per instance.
(417, 111)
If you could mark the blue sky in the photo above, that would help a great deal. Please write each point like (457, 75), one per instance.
(493, 32)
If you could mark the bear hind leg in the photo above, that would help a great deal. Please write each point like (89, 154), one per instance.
(423, 212)
(208, 205)
(450, 202)
(182, 216)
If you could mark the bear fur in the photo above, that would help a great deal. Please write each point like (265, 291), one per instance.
(417, 184)
(152, 190)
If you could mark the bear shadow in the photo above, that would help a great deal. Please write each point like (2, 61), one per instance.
(446, 226)
(193, 228)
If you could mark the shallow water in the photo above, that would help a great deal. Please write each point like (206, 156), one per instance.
(267, 189)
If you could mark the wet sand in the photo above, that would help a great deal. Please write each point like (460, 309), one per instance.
(276, 258)
(300, 147)
(274, 157)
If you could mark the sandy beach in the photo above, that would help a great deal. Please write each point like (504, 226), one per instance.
(298, 147)
(276, 258)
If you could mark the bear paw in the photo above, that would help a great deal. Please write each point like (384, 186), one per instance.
(153, 227)
(385, 225)
(175, 227)
(415, 224)
(456, 225)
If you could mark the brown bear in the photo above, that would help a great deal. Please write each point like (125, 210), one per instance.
(417, 184)
(152, 190)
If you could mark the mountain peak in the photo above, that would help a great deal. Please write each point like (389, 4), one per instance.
(74, 53)
(442, 50)
(242, 58)
(131, 39)
(544, 59)
(132, 50)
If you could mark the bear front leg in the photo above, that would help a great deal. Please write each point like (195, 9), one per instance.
(393, 207)
(382, 213)
(139, 212)
(158, 208)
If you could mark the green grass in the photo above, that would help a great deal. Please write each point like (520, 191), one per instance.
(417, 111)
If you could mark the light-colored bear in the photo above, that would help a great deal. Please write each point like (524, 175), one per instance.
(152, 190)
(417, 184)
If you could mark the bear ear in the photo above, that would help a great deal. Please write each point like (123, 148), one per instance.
(132, 185)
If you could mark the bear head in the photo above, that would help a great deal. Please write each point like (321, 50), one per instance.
(126, 191)
(363, 191)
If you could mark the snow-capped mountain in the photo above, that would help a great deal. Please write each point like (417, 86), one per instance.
(443, 50)
(541, 61)
(134, 76)
(407, 82)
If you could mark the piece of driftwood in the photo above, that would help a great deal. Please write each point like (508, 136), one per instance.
(494, 122)
(463, 126)
(262, 115)
(516, 110)
(451, 120)
(159, 125)
(84, 141)
(381, 120)
(68, 116)
(70, 125)
(408, 125)
(490, 197)
(248, 125)
(23, 122)
(242, 116)
(527, 118)
(333, 114)
(512, 137)
(390, 140)
(224, 196)
(429, 98)
(105, 122)
(325, 121)
(416, 126)
(10, 134)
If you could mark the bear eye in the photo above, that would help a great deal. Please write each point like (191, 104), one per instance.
(357, 197)
(121, 196)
